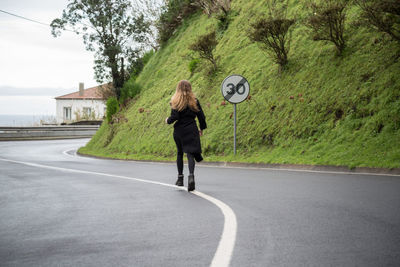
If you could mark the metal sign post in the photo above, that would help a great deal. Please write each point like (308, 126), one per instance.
(234, 129)
(235, 89)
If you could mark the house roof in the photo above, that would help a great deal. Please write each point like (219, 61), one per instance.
(89, 93)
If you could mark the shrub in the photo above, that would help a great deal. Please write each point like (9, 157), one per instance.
(112, 108)
(130, 89)
(273, 33)
(204, 46)
(383, 15)
(223, 22)
(138, 64)
(327, 22)
(193, 64)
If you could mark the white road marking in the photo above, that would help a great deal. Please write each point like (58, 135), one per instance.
(65, 152)
(223, 254)
(226, 244)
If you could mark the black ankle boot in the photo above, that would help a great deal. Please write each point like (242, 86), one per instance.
(191, 185)
(179, 182)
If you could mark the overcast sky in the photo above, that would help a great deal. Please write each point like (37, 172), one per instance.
(35, 63)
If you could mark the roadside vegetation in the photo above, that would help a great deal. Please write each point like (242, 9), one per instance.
(329, 105)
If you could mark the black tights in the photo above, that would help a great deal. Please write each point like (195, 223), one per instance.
(179, 162)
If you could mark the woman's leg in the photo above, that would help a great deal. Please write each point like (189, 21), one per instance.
(179, 155)
(179, 162)
(191, 163)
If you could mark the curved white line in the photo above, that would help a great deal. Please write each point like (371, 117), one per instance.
(65, 152)
(223, 254)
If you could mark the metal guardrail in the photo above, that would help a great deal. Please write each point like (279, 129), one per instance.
(47, 132)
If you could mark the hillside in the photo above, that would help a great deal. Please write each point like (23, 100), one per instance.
(323, 109)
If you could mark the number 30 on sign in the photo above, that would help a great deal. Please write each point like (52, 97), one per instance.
(235, 88)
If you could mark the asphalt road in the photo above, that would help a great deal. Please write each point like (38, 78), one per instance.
(59, 209)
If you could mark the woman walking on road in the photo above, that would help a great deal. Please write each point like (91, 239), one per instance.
(184, 109)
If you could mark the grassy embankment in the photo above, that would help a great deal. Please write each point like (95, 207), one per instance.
(345, 110)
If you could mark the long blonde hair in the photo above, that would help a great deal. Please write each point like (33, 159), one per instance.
(184, 97)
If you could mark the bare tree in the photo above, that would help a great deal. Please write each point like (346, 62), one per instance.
(383, 15)
(204, 46)
(213, 6)
(273, 33)
(327, 22)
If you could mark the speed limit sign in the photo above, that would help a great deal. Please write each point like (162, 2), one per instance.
(235, 88)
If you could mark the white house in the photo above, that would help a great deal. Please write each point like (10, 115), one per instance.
(85, 104)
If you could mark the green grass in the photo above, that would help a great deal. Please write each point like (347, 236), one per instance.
(345, 111)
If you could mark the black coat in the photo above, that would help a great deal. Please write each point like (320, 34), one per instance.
(185, 128)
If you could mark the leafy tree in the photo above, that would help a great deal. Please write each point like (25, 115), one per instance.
(110, 28)
(273, 33)
(383, 15)
(152, 10)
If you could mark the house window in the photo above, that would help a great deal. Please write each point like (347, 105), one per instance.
(87, 111)
(67, 113)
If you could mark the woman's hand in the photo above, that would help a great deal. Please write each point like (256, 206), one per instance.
(201, 132)
(166, 120)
